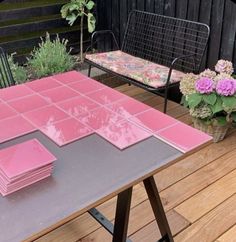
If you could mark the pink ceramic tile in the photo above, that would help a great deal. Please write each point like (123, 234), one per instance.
(184, 137)
(128, 107)
(66, 131)
(45, 116)
(59, 94)
(123, 134)
(28, 103)
(43, 84)
(6, 111)
(15, 187)
(14, 127)
(8, 182)
(87, 86)
(78, 105)
(15, 92)
(153, 120)
(106, 96)
(24, 157)
(68, 77)
(99, 118)
(6, 192)
(17, 184)
(24, 179)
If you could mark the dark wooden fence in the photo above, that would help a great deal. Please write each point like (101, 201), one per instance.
(220, 15)
(23, 22)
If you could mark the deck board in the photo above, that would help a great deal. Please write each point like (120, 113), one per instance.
(229, 235)
(198, 193)
(150, 232)
(207, 199)
(137, 220)
(212, 225)
(182, 190)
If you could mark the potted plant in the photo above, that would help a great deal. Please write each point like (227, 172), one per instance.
(80, 8)
(211, 99)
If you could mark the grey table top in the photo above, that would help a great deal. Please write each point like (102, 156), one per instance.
(87, 172)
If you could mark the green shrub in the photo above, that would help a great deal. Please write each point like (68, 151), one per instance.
(50, 57)
(19, 73)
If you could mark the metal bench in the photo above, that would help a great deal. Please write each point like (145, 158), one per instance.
(6, 77)
(156, 51)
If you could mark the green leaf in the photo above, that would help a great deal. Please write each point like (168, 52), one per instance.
(233, 115)
(91, 22)
(229, 102)
(194, 100)
(71, 19)
(218, 106)
(71, 11)
(210, 98)
(221, 120)
(74, 7)
(184, 101)
(90, 5)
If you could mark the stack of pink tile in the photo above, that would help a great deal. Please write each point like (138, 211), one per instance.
(24, 164)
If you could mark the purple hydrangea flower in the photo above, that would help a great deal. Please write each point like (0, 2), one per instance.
(204, 85)
(226, 87)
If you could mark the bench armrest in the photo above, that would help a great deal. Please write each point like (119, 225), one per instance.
(103, 32)
(182, 58)
(173, 63)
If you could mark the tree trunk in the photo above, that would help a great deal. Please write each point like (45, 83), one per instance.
(81, 38)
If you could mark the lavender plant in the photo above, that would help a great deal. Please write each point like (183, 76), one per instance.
(50, 57)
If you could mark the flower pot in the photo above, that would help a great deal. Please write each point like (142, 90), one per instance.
(217, 132)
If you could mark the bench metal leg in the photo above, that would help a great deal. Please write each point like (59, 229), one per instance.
(158, 209)
(165, 100)
(89, 70)
(165, 104)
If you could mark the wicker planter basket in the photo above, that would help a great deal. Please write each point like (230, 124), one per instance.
(217, 132)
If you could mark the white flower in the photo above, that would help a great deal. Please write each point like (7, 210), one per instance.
(187, 84)
(224, 66)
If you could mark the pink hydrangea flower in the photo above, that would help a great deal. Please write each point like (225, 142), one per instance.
(204, 85)
(226, 87)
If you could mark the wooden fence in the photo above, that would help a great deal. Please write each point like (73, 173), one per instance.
(220, 15)
(23, 22)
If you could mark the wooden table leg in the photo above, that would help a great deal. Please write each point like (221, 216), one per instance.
(158, 209)
(122, 216)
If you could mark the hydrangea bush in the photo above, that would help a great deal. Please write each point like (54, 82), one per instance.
(211, 95)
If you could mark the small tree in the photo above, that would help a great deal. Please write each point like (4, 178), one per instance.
(80, 8)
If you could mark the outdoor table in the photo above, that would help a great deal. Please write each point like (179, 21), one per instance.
(87, 172)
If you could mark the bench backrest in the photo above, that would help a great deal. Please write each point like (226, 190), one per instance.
(160, 39)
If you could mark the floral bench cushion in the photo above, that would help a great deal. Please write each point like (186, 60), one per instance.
(141, 70)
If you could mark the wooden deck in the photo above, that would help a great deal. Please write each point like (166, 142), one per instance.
(198, 193)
